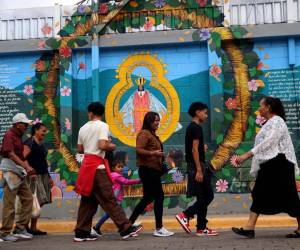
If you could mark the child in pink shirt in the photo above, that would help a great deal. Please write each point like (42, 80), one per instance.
(118, 182)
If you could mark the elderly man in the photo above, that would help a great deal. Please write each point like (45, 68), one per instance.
(15, 168)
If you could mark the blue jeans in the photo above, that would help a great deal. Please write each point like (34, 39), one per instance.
(100, 222)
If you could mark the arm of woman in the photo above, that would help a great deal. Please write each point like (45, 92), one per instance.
(141, 144)
(271, 139)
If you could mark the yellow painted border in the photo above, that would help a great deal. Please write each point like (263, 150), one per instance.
(158, 81)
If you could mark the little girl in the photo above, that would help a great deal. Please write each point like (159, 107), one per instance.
(118, 182)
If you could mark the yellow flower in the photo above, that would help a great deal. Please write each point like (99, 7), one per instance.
(257, 129)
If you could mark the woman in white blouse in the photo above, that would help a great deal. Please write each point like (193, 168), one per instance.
(274, 165)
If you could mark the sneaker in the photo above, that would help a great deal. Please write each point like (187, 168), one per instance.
(137, 223)
(96, 232)
(80, 238)
(206, 232)
(8, 238)
(162, 232)
(132, 231)
(184, 222)
(22, 234)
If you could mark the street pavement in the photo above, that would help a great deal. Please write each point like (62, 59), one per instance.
(267, 238)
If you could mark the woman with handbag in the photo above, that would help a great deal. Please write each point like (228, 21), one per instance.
(149, 156)
(35, 153)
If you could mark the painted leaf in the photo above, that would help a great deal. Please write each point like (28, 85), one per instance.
(228, 116)
(248, 134)
(251, 121)
(216, 38)
(53, 43)
(64, 138)
(219, 138)
(226, 172)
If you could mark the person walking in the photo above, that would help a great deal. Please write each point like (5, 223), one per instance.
(35, 153)
(199, 176)
(149, 156)
(118, 182)
(94, 182)
(274, 165)
(15, 169)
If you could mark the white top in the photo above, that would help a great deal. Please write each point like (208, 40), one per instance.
(89, 135)
(273, 139)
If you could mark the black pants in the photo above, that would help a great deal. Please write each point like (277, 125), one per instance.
(204, 197)
(152, 192)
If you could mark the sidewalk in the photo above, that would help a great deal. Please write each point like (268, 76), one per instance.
(216, 222)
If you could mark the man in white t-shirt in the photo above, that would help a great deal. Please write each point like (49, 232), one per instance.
(94, 183)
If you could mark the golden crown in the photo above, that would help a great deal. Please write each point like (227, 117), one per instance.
(140, 81)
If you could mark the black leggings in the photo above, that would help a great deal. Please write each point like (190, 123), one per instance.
(152, 192)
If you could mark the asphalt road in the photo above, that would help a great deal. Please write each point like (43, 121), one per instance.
(265, 239)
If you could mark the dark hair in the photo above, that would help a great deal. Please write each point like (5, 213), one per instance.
(275, 105)
(121, 156)
(195, 106)
(149, 119)
(36, 127)
(96, 108)
(114, 163)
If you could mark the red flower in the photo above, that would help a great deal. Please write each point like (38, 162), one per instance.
(40, 65)
(202, 3)
(46, 29)
(81, 65)
(149, 207)
(103, 8)
(65, 52)
(231, 103)
(148, 25)
(260, 66)
(215, 71)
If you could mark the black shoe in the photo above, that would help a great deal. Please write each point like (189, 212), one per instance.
(132, 231)
(96, 232)
(81, 236)
(247, 233)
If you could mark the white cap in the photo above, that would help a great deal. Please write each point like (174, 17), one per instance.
(21, 117)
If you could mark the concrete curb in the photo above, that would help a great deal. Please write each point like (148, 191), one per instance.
(216, 222)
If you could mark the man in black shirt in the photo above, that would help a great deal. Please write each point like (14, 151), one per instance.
(199, 177)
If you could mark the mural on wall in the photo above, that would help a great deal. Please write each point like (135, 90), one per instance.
(125, 122)
(236, 77)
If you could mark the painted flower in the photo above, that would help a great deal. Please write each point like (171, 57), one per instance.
(215, 71)
(260, 120)
(159, 3)
(65, 52)
(149, 207)
(260, 66)
(65, 91)
(103, 8)
(36, 121)
(177, 177)
(252, 85)
(202, 3)
(67, 123)
(28, 89)
(204, 34)
(148, 25)
(231, 103)
(46, 29)
(40, 65)
(42, 44)
(81, 9)
(233, 161)
(81, 65)
(79, 157)
(221, 185)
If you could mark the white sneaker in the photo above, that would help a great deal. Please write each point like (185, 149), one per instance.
(162, 232)
(22, 234)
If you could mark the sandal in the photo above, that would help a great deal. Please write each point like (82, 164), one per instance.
(294, 235)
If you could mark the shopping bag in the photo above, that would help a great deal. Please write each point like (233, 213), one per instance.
(36, 208)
